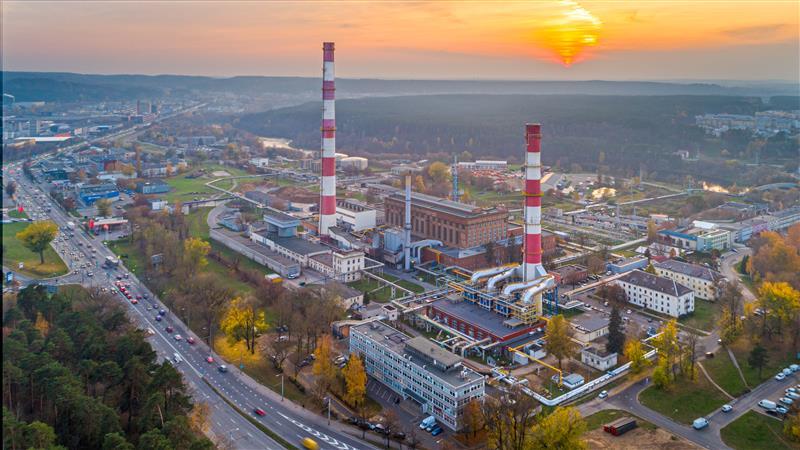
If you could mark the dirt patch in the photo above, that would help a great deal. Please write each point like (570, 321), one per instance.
(220, 173)
(638, 439)
(297, 194)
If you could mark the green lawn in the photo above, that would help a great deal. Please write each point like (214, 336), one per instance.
(14, 253)
(704, 316)
(724, 373)
(16, 214)
(684, 401)
(366, 285)
(754, 431)
(185, 189)
(605, 416)
(780, 356)
(413, 287)
(198, 225)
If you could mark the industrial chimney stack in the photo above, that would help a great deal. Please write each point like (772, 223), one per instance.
(327, 205)
(407, 225)
(533, 268)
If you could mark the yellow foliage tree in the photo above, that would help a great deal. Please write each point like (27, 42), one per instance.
(323, 367)
(355, 379)
(194, 254)
(243, 321)
(635, 354)
(558, 339)
(439, 172)
(38, 236)
(563, 429)
(668, 346)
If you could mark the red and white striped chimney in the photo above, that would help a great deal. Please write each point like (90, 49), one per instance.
(533, 268)
(327, 205)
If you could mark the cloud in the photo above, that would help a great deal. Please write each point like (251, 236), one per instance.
(757, 32)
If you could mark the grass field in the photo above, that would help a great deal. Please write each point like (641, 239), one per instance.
(413, 287)
(704, 316)
(684, 401)
(185, 189)
(724, 373)
(605, 416)
(366, 285)
(14, 253)
(780, 356)
(754, 431)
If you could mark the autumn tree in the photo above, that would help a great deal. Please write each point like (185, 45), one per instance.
(616, 331)
(730, 297)
(666, 342)
(194, 254)
(205, 297)
(652, 231)
(473, 419)
(509, 419)
(37, 237)
(635, 354)
(612, 293)
(779, 304)
(563, 429)
(103, 207)
(558, 339)
(244, 321)
(439, 172)
(355, 379)
(323, 369)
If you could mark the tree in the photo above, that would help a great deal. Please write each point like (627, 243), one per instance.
(635, 354)
(200, 417)
(595, 264)
(668, 346)
(650, 269)
(758, 358)
(558, 339)
(194, 254)
(323, 369)
(38, 236)
(508, 419)
(11, 188)
(473, 420)
(779, 304)
(563, 429)
(652, 231)
(355, 379)
(791, 427)
(278, 350)
(439, 172)
(116, 441)
(154, 440)
(103, 207)
(616, 333)
(244, 321)
(613, 293)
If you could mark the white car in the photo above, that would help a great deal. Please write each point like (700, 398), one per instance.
(727, 408)
(603, 394)
(178, 337)
(787, 371)
(792, 395)
(780, 376)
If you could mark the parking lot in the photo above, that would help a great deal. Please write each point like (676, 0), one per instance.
(408, 413)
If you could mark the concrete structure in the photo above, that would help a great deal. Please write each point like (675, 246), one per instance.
(327, 202)
(89, 194)
(482, 165)
(355, 162)
(260, 163)
(339, 266)
(589, 326)
(157, 204)
(454, 224)
(418, 369)
(702, 280)
(627, 264)
(598, 358)
(355, 215)
(657, 293)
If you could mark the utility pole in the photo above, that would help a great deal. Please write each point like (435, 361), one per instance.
(281, 375)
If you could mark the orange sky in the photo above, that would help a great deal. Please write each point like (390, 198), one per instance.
(516, 40)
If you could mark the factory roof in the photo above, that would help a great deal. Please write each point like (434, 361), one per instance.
(598, 351)
(442, 205)
(692, 270)
(589, 322)
(468, 312)
(299, 245)
(655, 282)
(398, 343)
(441, 356)
(325, 258)
(279, 217)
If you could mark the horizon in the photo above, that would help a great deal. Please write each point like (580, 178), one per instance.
(508, 41)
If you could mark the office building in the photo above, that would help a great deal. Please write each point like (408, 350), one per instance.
(657, 293)
(418, 369)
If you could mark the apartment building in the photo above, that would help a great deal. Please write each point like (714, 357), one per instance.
(702, 280)
(657, 293)
(418, 369)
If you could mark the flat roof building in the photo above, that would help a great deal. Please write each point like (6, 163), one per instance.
(418, 369)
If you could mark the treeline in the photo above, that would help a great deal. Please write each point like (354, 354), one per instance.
(78, 375)
(630, 131)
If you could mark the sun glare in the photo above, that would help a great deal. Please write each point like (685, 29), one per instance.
(571, 32)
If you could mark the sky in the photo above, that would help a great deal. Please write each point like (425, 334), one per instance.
(520, 40)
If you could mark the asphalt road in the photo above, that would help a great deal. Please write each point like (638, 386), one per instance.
(288, 420)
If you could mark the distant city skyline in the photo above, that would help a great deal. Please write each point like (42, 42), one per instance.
(547, 40)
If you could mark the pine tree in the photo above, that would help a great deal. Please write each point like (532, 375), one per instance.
(616, 333)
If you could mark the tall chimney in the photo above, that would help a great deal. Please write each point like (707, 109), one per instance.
(407, 226)
(327, 204)
(533, 268)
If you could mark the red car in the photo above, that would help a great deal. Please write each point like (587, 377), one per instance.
(190, 340)
(170, 329)
(134, 301)
(260, 412)
(210, 360)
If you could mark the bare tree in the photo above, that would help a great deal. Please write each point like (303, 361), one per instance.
(509, 419)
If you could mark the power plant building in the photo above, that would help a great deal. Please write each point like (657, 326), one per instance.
(455, 224)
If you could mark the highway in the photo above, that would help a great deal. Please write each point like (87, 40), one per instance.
(289, 421)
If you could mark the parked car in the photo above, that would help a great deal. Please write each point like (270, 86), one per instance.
(603, 394)
(792, 395)
(780, 376)
(190, 340)
(223, 368)
(437, 430)
(210, 360)
(786, 401)
(781, 409)
(700, 423)
(178, 337)
(794, 367)
(767, 404)
(787, 371)
(158, 318)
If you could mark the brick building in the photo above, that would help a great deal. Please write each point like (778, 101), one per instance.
(454, 224)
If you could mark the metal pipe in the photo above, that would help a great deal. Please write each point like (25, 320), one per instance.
(498, 278)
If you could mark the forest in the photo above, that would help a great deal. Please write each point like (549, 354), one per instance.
(78, 375)
(579, 132)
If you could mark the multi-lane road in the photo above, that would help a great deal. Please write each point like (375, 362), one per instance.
(206, 382)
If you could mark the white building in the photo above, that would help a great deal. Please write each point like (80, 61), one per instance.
(483, 164)
(598, 357)
(353, 161)
(657, 293)
(339, 266)
(260, 163)
(419, 369)
(355, 215)
(702, 280)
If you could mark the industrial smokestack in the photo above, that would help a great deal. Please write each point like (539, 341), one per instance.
(327, 204)
(533, 268)
(407, 226)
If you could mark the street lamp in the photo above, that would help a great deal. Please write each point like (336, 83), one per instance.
(281, 375)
